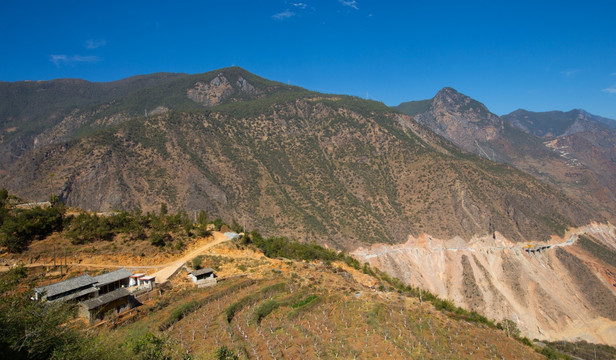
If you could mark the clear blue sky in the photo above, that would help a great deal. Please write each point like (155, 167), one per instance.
(538, 55)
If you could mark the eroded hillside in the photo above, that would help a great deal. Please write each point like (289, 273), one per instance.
(564, 288)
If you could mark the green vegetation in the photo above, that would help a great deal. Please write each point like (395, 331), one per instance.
(581, 349)
(307, 300)
(232, 309)
(32, 329)
(19, 227)
(224, 353)
(189, 307)
(265, 309)
(196, 262)
(413, 108)
(275, 247)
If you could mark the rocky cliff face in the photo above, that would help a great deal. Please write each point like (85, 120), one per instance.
(573, 151)
(465, 121)
(553, 290)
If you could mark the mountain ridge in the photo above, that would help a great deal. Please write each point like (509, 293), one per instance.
(552, 146)
(334, 169)
(319, 164)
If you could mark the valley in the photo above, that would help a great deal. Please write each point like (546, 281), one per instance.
(507, 218)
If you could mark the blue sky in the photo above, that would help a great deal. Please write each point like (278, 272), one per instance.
(538, 55)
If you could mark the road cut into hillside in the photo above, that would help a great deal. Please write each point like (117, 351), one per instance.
(553, 289)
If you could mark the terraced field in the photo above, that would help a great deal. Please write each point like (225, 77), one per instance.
(315, 311)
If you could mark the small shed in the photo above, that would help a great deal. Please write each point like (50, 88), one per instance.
(134, 279)
(146, 282)
(115, 301)
(203, 277)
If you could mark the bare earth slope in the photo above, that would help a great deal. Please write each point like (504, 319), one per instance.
(553, 290)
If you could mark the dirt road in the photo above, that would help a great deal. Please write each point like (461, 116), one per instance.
(171, 268)
(167, 270)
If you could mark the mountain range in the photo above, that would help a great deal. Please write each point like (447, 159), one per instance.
(346, 172)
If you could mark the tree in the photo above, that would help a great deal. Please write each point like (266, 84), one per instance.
(22, 226)
(32, 329)
(202, 219)
(510, 327)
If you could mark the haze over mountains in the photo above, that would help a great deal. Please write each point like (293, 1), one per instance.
(345, 172)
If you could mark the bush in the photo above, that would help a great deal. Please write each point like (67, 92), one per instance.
(158, 239)
(33, 329)
(224, 353)
(196, 262)
(150, 347)
(274, 247)
(179, 313)
(305, 301)
(218, 223)
(265, 309)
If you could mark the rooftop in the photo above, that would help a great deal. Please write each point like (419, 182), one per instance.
(112, 277)
(66, 285)
(202, 271)
(105, 299)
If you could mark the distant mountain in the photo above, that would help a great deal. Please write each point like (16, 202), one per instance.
(335, 169)
(573, 151)
(304, 164)
(553, 124)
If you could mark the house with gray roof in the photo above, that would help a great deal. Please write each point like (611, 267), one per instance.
(203, 277)
(77, 288)
(113, 302)
(111, 281)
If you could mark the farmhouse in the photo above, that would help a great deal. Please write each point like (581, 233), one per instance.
(112, 280)
(113, 302)
(78, 288)
(203, 277)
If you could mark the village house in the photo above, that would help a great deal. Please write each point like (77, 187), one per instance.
(98, 295)
(113, 302)
(203, 277)
(78, 288)
(112, 280)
